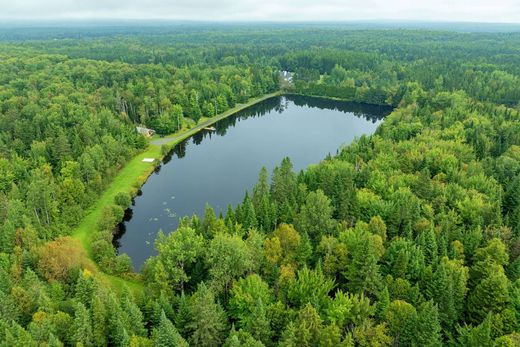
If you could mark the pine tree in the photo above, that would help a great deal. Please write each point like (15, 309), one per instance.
(490, 295)
(165, 334)
(427, 241)
(117, 334)
(99, 321)
(183, 316)
(448, 289)
(208, 319)
(241, 338)
(85, 288)
(261, 189)
(135, 324)
(305, 330)
(427, 327)
(248, 213)
(82, 327)
(383, 301)
(362, 272)
(401, 317)
(258, 324)
(479, 336)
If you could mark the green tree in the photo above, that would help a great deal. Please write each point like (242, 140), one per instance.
(448, 290)
(82, 327)
(178, 252)
(364, 251)
(315, 217)
(165, 334)
(427, 326)
(208, 320)
(228, 257)
(401, 318)
(245, 295)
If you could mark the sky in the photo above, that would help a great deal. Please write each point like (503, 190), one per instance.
(496, 11)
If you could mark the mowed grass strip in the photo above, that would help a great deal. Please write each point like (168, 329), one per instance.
(134, 174)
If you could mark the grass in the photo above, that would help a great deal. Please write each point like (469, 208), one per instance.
(134, 174)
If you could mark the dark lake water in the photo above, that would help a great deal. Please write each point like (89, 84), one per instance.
(218, 167)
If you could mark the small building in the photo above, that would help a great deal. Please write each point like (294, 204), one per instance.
(287, 76)
(145, 131)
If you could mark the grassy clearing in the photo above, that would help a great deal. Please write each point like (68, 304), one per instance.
(133, 175)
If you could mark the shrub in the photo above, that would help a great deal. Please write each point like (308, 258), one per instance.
(123, 199)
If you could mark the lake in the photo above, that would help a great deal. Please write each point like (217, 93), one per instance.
(217, 167)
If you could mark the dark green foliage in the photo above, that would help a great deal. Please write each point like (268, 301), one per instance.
(208, 321)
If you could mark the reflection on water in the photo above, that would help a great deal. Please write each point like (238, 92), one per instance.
(216, 167)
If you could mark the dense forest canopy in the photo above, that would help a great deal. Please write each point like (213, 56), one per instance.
(408, 237)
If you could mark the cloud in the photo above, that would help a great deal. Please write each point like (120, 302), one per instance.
(265, 10)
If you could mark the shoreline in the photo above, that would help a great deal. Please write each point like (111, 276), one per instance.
(134, 174)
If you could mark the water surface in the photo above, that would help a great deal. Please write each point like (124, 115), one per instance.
(218, 167)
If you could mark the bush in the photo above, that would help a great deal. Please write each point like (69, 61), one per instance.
(110, 216)
(123, 199)
(165, 149)
(57, 258)
(123, 264)
(102, 250)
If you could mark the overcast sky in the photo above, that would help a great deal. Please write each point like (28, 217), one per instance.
(265, 10)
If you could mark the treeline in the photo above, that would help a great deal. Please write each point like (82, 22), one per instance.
(68, 125)
(408, 237)
(376, 79)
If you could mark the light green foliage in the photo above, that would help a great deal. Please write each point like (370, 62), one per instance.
(427, 326)
(305, 330)
(165, 335)
(315, 217)
(364, 252)
(476, 336)
(310, 286)
(177, 252)
(123, 199)
(347, 309)
(82, 326)
(241, 339)
(448, 290)
(228, 257)
(401, 318)
(246, 294)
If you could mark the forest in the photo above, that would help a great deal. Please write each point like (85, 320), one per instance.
(408, 237)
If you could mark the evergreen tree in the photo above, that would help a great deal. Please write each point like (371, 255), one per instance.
(183, 316)
(85, 288)
(490, 295)
(427, 327)
(448, 290)
(99, 321)
(82, 327)
(248, 214)
(401, 318)
(165, 334)
(362, 272)
(208, 319)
